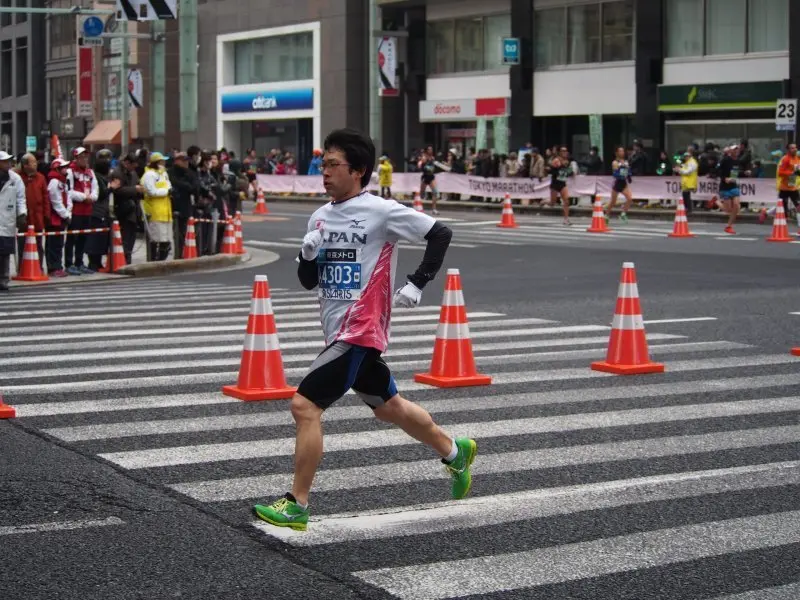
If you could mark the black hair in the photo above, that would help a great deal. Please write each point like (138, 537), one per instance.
(102, 167)
(358, 149)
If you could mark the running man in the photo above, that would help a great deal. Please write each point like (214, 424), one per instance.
(728, 171)
(621, 171)
(561, 170)
(788, 184)
(350, 252)
(427, 164)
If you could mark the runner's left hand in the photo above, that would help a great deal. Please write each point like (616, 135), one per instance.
(408, 296)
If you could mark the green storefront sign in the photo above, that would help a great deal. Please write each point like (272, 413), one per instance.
(761, 94)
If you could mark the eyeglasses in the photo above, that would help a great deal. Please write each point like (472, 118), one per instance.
(332, 164)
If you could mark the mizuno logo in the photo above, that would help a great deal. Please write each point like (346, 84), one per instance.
(356, 224)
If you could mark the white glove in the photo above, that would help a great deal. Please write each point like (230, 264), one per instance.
(311, 244)
(408, 296)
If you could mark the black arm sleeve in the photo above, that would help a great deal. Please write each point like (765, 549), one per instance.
(307, 272)
(438, 241)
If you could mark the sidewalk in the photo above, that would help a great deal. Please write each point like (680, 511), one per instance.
(253, 258)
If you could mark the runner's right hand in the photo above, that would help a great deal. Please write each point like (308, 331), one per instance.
(311, 244)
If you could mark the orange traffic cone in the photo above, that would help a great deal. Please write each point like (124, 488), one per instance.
(507, 218)
(30, 269)
(229, 240)
(261, 204)
(453, 364)
(6, 411)
(681, 227)
(780, 231)
(417, 204)
(627, 348)
(117, 258)
(237, 232)
(261, 375)
(598, 218)
(190, 243)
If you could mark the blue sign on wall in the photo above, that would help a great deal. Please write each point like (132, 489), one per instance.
(280, 100)
(93, 27)
(511, 51)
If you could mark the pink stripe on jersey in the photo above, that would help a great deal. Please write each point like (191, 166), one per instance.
(366, 323)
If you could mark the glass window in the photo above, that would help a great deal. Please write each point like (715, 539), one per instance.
(725, 26)
(469, 45)
(62, 98)
(768, 25)
(618, 30)
(278, 58)
(22, 66)
(495, 28)
(583, 33)
(441, 46)
(684, 19)
(550, 32)
(5, 18)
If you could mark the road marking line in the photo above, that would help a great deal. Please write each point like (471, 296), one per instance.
(339, 412)
(577, 374)
(687, 320)
(439, 517)
(210, 453)
(396, 365)
(59, 526)
(360, 477)
(585, 560)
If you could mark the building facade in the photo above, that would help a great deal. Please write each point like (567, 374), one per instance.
(21, 80)
(84, 86)
(592, 73)
(280, 76)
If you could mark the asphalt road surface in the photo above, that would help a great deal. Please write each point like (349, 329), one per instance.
(127, 474)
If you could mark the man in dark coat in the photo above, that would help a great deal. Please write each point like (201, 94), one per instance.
(185, 188)
(127, 199)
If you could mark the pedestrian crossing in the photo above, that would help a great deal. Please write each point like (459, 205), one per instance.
(587, 485)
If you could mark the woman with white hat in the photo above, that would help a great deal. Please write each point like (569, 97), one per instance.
(13, 215)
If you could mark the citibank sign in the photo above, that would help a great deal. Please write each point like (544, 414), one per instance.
(267, 101)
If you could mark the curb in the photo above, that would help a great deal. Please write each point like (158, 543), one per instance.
(204, 263)
(468, 206)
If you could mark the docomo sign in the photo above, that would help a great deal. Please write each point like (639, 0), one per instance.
(462, 110)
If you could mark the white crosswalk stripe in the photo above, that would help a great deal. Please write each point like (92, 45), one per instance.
(139, 385)
(483, 233)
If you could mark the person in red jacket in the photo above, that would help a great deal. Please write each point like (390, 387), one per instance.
(60, 215)
(38, 201)
(84, 192)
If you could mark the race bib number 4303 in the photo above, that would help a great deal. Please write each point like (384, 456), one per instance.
(339, 273)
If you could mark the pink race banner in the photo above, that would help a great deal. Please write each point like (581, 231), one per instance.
(758, 192)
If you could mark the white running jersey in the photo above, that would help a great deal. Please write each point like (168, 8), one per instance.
(356, 265)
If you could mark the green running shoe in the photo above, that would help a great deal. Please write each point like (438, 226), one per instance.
(459, 469)
(623, 217)
(284, 512)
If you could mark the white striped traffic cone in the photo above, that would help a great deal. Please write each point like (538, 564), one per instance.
(261, 375)
(453, 364)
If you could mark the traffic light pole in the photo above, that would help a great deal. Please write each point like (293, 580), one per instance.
(187, 23)
(124, 111)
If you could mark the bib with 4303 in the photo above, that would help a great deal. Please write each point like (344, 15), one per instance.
(339, 273)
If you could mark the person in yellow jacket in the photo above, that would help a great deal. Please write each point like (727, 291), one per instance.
(385, 171)
(157, 207)
(688, 171)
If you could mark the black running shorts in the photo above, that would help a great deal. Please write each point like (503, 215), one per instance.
(342, 366)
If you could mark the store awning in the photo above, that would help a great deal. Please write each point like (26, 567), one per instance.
(105, 132)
